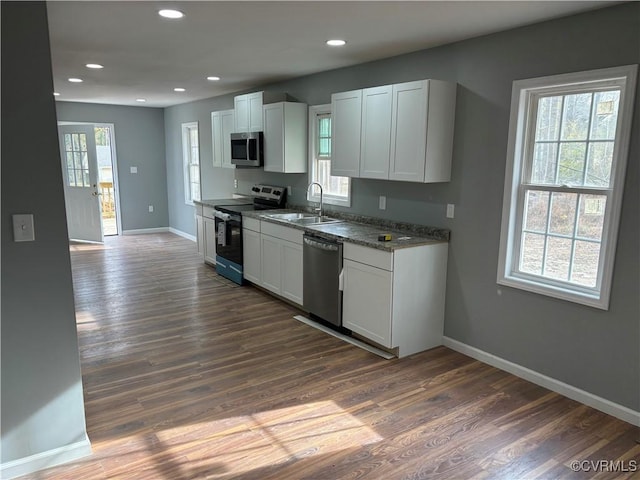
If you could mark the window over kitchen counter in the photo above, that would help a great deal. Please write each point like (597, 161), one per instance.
(566, 161)
(191, 158)
(336, 190)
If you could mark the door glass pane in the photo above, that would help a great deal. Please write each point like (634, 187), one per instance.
(76, 142)
(83, 142)
(67, 142)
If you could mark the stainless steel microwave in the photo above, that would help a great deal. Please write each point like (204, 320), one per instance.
(247, 149)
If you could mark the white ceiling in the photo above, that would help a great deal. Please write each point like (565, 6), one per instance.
(249, 44)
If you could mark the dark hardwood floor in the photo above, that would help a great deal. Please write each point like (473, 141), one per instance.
(189, 376)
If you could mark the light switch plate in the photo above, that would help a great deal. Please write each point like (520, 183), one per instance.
(134, 169)
(450, 210)
(23, 228)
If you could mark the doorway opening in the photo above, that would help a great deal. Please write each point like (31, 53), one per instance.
(106, 179)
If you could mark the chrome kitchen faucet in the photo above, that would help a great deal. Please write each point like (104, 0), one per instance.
(319, 210)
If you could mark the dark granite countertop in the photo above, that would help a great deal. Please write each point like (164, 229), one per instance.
(363, 232)
(212, 202)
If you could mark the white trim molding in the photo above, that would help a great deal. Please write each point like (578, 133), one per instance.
(569, 391)
(143, 231)
(182, 234)
(48, 459)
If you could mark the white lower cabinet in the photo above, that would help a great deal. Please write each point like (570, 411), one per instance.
(396, 299)
(209, 232)
(251, 256)
(272, 257)
(199, 231)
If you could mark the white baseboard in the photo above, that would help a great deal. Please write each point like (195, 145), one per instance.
(142, 231)
(582, 396)
(183, 234)
(48, 459)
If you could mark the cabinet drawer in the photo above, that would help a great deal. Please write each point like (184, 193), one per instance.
(251, 224)
(368, 256)
(208, 211)
(284, 233)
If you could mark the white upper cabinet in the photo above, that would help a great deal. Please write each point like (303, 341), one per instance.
(346, 120)
(222, 125)
(422, 126)
(285, 137)
(248, 110)
(376, 132)
(396, 132)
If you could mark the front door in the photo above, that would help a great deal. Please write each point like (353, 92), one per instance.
(80, 176)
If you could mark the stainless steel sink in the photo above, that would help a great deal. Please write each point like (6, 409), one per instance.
(315, 220)
(289, 217)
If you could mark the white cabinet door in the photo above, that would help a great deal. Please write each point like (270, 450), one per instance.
(209, 232)
(255, 111)
(241, 110)
(366, 301)
(346, 120)
(227, 119)
(271, 262)
(409, 131)
(216, 138)
(285, 137)
(200, 235)
(251, 256)
(376, 132)
(274, 137)
(292, 271)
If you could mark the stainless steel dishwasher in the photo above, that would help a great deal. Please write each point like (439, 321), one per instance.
(322, 261)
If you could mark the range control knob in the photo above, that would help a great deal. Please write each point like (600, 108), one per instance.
(277, 192)
(255, 189)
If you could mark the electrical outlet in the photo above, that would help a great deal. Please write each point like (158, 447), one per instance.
(235, 183)
(134, 169)
(150, 208)
(289, 191)
(382, 202)
(450, 210)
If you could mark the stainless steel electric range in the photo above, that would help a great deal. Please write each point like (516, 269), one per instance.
(228, 229)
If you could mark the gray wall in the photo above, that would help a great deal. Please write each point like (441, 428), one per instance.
(42, 405)
(139, 135)
(593, 350)
(217, 182)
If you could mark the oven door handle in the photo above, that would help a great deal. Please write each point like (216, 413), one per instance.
(221, 215)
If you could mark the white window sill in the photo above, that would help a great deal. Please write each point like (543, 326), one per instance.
(575, 296)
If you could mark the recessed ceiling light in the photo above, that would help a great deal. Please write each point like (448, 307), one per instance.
(167, 13)
(179, 89)
(75, 80)
(56, 94)
(336, 43)
(96, 66)
(213, 79)
(141, 100)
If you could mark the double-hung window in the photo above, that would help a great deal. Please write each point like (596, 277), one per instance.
(191, 158)
(336, 190)
(567, 153)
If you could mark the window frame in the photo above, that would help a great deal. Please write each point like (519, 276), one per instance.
(186, 157)
(315, 112)
(522, 127)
